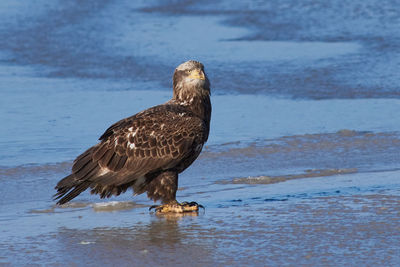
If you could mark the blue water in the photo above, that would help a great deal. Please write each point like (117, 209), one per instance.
(302, 164)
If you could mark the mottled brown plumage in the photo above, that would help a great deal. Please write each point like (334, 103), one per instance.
(147, 151)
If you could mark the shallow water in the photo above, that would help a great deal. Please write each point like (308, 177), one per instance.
(302, 163)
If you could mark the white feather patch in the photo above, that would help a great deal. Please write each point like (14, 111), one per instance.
(133, 134)
(131, 145)
(103, 171)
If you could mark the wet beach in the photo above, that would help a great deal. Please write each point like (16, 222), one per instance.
(302, 166)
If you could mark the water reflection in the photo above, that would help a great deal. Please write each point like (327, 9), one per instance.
(165, 240)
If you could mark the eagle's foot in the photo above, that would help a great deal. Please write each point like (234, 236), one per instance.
(177, 207)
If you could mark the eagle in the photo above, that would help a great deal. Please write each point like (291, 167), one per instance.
(147, 151)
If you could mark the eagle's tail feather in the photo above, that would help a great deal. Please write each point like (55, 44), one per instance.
(68, 181)
(65, 192)
(84, 169)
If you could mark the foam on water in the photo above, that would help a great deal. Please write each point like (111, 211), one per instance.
(284, 178)
(112, 206)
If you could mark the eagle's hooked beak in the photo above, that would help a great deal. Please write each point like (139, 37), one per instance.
(197, 74)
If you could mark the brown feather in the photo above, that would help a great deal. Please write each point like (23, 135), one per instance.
(112, 165)
(106, 158)
(100, 151)
(121, 163)
(73, 193)
(81, 161)
(88, 168)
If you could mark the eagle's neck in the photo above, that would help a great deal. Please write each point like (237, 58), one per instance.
(196, 99)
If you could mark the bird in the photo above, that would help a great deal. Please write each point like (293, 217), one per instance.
(147, 151)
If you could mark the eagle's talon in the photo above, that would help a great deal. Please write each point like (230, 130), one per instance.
(177, 207)
(153, 207)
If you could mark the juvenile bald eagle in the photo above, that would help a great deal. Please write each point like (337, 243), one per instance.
(147, 151)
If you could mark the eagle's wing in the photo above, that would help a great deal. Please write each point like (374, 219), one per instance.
(154, 140)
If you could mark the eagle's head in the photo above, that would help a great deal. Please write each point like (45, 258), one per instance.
(190, 81)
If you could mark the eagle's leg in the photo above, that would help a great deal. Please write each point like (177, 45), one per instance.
(164, 187)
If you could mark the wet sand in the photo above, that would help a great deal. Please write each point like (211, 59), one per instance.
(302, 164)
